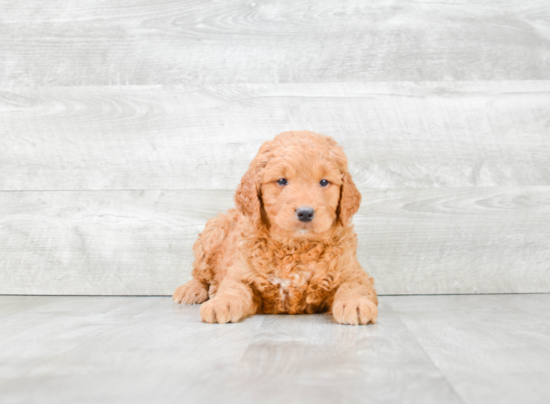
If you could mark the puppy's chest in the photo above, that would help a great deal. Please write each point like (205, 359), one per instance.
(293, 288)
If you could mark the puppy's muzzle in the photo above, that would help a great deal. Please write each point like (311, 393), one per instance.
(305, 214)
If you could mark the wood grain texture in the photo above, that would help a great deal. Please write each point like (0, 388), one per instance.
(136, 242)
(241, 41)
(424, 349)
(413, 241)
(485, 345)
(125, 125)
(195, 137)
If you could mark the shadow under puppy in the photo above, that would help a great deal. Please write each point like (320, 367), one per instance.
(289, 247)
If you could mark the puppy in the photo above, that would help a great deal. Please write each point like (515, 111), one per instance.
(289, 247)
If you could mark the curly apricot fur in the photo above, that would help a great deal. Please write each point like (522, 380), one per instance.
(259, 258)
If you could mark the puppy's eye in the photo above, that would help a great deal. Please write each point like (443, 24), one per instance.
(282, 181)
(323, 183)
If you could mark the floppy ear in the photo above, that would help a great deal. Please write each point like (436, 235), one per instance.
(247, 198)
(350, 199)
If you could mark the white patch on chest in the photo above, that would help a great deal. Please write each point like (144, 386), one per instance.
(283, 286)
(283, 283)
(297, 279)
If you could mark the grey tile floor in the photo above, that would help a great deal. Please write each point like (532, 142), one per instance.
(424, 349)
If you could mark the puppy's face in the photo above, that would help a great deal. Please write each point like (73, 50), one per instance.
(299, 186)
(300, 193)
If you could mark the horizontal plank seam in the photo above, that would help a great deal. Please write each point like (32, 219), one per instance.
(273, 83)
(234, 189)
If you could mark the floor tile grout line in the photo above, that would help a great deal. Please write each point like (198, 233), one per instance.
(253, 337)
(440, 371)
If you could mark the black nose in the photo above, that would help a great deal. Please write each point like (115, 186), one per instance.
(305, 214)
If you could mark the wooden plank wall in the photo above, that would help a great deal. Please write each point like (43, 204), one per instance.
(125, 125)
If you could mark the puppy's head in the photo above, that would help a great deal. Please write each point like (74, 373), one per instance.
(298, 185)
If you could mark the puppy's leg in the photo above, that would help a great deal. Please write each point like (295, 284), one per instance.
(193, 292)
(233, 302)
(355, 303)
(196, 290)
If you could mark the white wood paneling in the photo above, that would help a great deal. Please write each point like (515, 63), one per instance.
(192, 137)
(129, 242)
(432, 241)
(125, 125)
(239, 41)
(468, 240)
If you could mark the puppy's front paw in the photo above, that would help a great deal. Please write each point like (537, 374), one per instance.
(355, 311)
(224, 310)
(193, 292)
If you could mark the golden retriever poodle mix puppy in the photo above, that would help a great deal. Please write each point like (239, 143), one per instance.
(289, 247)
